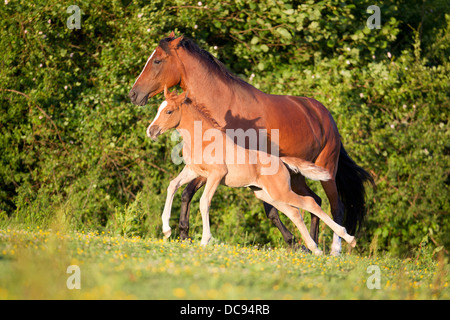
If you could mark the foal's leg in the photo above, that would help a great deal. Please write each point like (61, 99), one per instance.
(294, 215)
(278, 188)
(212, 183)
(299, 186)
(272, 214)
(309, 204)
(186, 198)
(185, 176)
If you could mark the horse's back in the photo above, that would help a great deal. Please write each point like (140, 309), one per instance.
(304, 125)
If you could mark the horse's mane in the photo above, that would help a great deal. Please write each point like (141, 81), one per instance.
(204, 112)
(213, 65)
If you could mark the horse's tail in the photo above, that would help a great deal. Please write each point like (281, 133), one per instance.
(350, 179)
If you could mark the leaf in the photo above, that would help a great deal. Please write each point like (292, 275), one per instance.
(261, 66)
(254, 40)
(313, 25)
(284, 33)
(289, 11)
(264, 48)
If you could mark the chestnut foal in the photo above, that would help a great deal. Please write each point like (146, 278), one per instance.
(269, 180)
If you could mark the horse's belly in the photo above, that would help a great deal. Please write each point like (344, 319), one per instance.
(239, 176)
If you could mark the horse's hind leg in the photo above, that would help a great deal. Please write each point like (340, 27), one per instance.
(294, 215)
(337, 211)
(278, 188)
(328, 159)
(309, 204)
(186, 197)
(299, 186)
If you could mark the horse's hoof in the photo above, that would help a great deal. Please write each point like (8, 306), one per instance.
(353, 242)
(296, 245)
(318, 252)
(335, 253)
(304, 249)
(167, 233)
(186, 239)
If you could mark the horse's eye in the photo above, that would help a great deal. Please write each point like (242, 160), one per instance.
(169, 111)
(157, 61)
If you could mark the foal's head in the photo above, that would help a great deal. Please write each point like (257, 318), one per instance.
(169, 113)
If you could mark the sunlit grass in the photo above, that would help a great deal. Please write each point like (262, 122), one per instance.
(33, 265)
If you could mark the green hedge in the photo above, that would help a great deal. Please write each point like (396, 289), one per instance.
(73, 148)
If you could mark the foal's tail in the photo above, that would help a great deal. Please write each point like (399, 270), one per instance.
(306, 168)
(350, 179)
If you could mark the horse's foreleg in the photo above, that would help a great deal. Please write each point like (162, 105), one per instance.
(186, 198)
(185, 176)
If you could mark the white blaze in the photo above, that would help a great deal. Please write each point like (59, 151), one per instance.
(160, 109)
(148, 60)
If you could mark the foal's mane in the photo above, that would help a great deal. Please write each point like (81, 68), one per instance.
(212, 64)
(204, 112)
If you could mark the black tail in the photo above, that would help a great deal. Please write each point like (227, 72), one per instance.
(350, 179)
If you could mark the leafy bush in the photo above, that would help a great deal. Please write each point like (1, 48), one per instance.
(71, 139)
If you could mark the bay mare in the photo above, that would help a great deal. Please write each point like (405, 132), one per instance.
(306, 129)
(218, 167)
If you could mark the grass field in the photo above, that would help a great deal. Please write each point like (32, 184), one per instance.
(34, 265)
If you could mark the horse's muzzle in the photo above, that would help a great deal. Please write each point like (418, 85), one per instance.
(132, 95)
(137, 99)
(153, 132)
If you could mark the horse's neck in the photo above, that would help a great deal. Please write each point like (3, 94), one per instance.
(219, 98)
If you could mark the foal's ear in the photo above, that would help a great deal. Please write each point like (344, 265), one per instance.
(186, 99)
(172, 35)
(166, 92)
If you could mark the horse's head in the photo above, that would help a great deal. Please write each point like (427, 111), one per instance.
(161, 68)
(169, 113)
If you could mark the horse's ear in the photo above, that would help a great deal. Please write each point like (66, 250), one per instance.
(172, 35)
(166, 92)
(174, 43)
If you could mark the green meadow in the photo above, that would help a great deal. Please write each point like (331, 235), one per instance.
(82, 187)
(34, 265)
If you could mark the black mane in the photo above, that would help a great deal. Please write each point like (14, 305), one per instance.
(213, 65)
